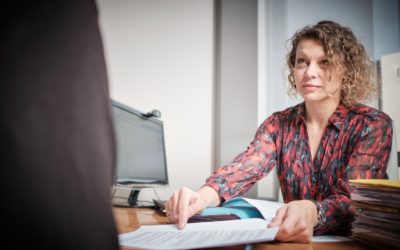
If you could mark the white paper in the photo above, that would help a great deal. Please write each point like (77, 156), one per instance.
(199, 235)
(268, 209)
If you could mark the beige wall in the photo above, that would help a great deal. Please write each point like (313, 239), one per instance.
(236, 79)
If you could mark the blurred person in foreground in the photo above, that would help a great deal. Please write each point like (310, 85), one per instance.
(57, 141)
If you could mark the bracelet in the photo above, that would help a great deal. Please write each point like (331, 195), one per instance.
(321, 217)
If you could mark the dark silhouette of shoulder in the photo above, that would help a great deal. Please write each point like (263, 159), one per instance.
(56, 135)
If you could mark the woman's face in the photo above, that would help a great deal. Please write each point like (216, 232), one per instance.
(312, 73)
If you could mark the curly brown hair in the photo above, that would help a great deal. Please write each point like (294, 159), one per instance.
(347, 56)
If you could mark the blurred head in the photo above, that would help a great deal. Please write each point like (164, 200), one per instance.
(336, 57)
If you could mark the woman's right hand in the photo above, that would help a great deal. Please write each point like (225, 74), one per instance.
(184, 203)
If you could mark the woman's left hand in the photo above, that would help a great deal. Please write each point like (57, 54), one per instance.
(296, 221)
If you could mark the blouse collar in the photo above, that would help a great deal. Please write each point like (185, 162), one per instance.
(337, 118)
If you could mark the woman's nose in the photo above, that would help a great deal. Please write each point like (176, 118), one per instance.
(312, 70)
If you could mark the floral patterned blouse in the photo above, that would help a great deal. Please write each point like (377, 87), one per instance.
(355, 144)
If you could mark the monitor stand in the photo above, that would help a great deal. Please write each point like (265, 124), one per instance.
(133, 198)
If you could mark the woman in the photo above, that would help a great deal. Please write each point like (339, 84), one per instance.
(317, 146)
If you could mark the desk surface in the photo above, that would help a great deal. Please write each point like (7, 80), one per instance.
(130, 219)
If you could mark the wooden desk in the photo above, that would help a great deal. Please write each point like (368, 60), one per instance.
(130, 219)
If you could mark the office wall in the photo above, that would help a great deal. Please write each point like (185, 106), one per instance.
(236, 78)
(160, 56)
(386, 27)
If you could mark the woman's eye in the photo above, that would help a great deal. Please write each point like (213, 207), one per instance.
(325, 62)
(300, 61)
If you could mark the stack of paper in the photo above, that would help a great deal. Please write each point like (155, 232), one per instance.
(199, 235)
(249, 225)
(377, 206)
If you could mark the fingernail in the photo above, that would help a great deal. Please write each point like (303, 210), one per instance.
(181, 225)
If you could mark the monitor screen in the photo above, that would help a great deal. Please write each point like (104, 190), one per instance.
(141, 156)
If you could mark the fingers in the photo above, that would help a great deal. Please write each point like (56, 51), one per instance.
(300, 233)
(286, 221)
(291, 229)
(293, 224)
(181, 206)
(278, 219)
(174, 209)
(169, 208)
(301, 237)
(172, 206)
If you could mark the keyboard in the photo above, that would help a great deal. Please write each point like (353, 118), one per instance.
(160, 204)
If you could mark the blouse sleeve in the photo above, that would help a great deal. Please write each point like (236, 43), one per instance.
(251, 165)
(369, 160)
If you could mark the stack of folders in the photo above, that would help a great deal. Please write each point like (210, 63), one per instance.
(377, 207)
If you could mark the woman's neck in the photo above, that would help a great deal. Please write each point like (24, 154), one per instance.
(318, 113)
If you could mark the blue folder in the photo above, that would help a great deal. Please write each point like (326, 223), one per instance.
(236, 208)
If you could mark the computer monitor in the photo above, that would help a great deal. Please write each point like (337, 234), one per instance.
(141, 158)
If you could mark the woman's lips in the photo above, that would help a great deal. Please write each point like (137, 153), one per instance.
(310, 87)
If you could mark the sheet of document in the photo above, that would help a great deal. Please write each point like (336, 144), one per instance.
(199, 235)
(267, 208)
